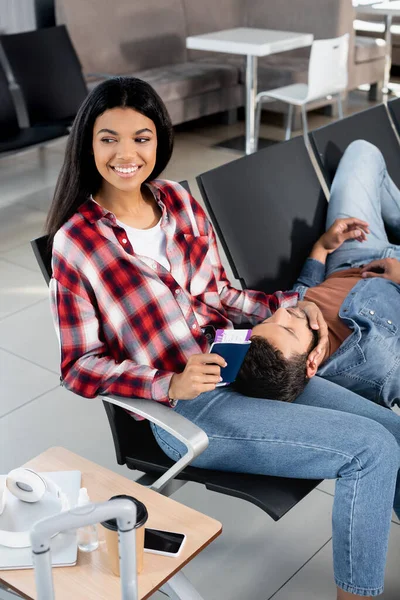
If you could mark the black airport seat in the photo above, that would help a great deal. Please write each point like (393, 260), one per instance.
(45, 13)
(268, 209)
(12, 137)
(46, 68)
(136, 447)
(372, 125)
(394, 109)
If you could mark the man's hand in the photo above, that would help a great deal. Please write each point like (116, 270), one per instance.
(388, 268)
(201, 374)
(317, 322)
(341, 230)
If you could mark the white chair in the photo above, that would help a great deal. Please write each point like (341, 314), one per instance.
(327, 76)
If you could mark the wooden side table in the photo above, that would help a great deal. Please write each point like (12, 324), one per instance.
(92, 578)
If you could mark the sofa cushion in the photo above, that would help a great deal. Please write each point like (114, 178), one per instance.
(289, 67)
(373, 29)
(174, 82)
(281, 69)
(369, 27)
(125, 36)
(368, 48)
(274, 71)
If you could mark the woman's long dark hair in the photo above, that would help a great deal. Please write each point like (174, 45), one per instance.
(79, 176)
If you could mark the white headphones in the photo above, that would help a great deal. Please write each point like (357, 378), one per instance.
(27, 486)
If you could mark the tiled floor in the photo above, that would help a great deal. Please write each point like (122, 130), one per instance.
(255, 558)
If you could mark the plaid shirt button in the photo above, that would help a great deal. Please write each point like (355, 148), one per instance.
(124, 241)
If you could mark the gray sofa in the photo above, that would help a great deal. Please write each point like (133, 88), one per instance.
(146, 38)
(373, 27)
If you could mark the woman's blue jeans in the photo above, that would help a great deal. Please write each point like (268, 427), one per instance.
(327, 433)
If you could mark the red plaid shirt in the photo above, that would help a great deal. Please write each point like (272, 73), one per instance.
(125, 323)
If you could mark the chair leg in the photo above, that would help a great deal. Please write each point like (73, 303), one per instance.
(257, 120)
(42, 156)
(229, 117)
(340, 106)
(375, 92)
(168, 490)
(305, 123)
(289, 119)
(180, 588)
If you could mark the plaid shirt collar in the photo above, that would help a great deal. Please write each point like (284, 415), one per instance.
(92, 211)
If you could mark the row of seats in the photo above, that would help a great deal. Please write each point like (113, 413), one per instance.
(268, 209)
(44, 66)
(281, 184)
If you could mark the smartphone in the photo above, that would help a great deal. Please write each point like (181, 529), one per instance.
(167, 543)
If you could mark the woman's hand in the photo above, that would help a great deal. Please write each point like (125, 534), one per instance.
(341, 230)
(317, 322)
(201, 374)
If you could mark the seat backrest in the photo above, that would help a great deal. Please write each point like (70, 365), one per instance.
(268, 209)
(8, 114)
(47, 69)
(45, 13)
(42, 251)
(327, 70)
(372, 125)
(394, 109)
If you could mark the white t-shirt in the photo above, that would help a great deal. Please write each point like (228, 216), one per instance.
(151, 243)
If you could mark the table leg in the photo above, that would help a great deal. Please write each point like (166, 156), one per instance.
(388, 57)
(251, 92)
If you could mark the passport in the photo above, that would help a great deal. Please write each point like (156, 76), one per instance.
(232, 345)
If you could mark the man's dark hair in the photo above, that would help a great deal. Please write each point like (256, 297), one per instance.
(267, 373)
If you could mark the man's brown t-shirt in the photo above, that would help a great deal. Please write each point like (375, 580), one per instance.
(329, 297)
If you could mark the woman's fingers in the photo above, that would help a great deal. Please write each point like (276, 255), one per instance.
(207, 358)
(208, 369)
(354, 222)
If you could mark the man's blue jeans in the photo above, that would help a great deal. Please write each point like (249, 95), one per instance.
(328, 433)
(362, 188)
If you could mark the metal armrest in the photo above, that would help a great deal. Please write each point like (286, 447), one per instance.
(194, 438)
